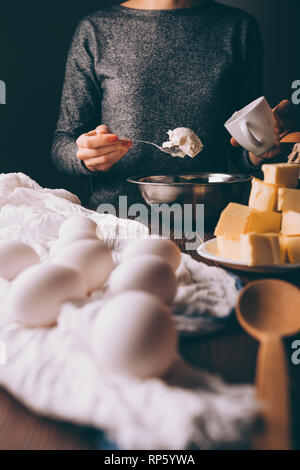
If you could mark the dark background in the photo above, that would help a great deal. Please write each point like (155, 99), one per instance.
(34, 40)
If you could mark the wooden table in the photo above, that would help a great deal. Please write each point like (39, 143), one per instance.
(230, 353)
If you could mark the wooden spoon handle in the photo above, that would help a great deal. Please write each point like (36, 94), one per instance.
(272, 384)
(291, 137)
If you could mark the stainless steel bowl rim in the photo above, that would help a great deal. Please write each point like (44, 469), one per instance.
(236, 178)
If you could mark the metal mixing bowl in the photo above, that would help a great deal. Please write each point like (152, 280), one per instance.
(214, 190)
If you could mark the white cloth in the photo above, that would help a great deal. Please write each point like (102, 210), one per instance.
(54, 373)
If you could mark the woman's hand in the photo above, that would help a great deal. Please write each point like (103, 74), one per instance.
(100, 149)
(285, 120)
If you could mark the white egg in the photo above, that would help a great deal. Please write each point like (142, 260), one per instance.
(66, 240)
(77, 223)
(147, 273)
(163, 248)
(15, 257)
(91, 258)
(134, 334)
(35, 296)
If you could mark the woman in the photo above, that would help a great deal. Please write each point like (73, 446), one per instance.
(141, 68)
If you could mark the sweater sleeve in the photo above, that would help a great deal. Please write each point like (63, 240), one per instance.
(80, 109)
(251, 83)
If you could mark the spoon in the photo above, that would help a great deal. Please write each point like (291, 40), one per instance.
(292, 137)
(269, 310)
(175, 150)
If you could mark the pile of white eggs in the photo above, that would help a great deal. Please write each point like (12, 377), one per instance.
(79, 263)
(134, 333)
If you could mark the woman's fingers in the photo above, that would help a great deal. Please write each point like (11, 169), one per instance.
(275, 152)
(109, 158)
(97, 140)
(105, 162)
(284, 115)
(266, 157)
(100, 150)
(84, 153)
(234, 143)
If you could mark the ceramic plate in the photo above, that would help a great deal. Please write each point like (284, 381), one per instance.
(208, 250)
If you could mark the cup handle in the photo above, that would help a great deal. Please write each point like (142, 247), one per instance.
(248, 134)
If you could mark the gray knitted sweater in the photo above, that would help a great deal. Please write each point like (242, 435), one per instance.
(143, 72)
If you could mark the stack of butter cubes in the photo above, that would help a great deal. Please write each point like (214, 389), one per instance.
(267, 231)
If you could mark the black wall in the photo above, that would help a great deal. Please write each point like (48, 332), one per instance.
(34, 40)
(279, 23)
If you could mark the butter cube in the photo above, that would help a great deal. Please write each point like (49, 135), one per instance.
(261, 249)
(264, 221)
(237, 219)
(233, 221)
(263, 196)
(289, 199)
(285, 174)
(291, 248)
(290, 223)
(229, 249)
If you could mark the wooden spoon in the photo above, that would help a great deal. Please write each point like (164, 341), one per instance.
(293, 137)
(268, 310)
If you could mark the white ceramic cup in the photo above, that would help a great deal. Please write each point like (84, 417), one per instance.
(253, 127)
